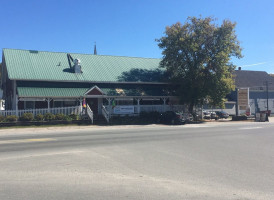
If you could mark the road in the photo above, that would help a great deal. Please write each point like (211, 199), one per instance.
(206, 161)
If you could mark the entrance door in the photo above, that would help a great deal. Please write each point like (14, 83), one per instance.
(93, 104)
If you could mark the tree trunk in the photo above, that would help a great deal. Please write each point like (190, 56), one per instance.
(190, 108)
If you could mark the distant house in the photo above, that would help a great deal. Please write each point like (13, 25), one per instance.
(40, 79)
(260, 85)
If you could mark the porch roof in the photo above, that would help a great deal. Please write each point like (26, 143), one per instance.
(61, 92)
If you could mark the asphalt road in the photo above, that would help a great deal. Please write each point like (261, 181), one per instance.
(207, 161)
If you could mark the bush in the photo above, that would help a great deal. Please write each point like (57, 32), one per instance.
(74, 117)
(49, 116)
(39, 117)
(26, 117)
(67, 118)
(59, 116)
(168, 117)
(2, 118)
(11, 118)
(150, 117)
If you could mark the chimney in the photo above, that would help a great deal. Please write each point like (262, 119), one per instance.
(95, 50)
(239, 68)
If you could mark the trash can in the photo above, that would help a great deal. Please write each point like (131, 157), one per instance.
(257, 117)
(263, 115)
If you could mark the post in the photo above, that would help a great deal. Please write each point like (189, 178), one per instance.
(81, 105)
(16, 106)
(237, 106)
(138, 106)
(164, 99)
(266, 97)
(109, 106)
(48, 100)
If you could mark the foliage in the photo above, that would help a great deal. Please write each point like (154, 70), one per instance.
(2, 118)
(27, 117)
(150, 117)
(168, 117)
(197, 56)
(39, 117)
(124, 120)
(49, 117)
(11, 118)
(59, 116)
(74, 117)
(143, 75)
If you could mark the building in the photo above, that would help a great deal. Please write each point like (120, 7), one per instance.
(260, 87)
(119, 85)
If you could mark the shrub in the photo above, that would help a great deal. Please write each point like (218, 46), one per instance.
(49, 116)
(67, 118)
(39, 117)
(74, 117)
(168, 117)
(26, 117)
(2, 118)
(59, 116)
(11, 118)
(150, 117)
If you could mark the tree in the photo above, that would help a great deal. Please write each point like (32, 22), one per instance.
(197, 57)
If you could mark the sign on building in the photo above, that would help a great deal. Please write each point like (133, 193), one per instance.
(243, 99)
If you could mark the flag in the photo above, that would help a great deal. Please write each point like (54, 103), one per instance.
(84, 103)
(113, 103)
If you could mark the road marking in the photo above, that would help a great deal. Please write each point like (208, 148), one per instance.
(40, 155)
(27, 140)
(249, 128)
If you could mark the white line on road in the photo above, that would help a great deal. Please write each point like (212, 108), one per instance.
(42, 154)
(27, 140)
(249, 128)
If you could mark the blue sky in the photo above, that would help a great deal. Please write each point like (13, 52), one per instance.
(130, 27)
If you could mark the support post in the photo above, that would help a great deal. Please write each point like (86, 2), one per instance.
(81, 105)
(48, 100)
(109, 106)
(16, 106)
(138, 106)
(164, 99)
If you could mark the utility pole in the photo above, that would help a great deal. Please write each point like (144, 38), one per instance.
(266, 83)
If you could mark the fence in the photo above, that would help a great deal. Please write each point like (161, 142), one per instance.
(64, 110)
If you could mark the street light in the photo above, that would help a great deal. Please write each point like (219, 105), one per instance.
(266, 83)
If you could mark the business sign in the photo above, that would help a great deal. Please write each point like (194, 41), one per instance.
(243, 98)
(123, 110)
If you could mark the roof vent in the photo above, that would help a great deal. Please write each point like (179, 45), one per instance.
(239, 68)
(77, 67)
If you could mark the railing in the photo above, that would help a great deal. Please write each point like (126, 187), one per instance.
(64, 110)
(90, 113)
(105, 113)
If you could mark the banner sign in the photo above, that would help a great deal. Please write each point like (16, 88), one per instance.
(123, 110)
(243, 98)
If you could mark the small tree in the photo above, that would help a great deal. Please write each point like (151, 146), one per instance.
(197, 56)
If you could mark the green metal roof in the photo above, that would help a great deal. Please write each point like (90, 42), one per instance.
(50, 92)
(127, 90)
(53, 66)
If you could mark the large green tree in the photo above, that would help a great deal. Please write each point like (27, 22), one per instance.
(197, 57)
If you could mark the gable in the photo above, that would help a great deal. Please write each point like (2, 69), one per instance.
(94, 91)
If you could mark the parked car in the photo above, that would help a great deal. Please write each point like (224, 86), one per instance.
(207, 115)
(222, 114)
(210, 115)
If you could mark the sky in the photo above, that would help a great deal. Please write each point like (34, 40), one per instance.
(130, 27)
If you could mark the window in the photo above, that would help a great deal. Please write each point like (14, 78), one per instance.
(29, 104)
